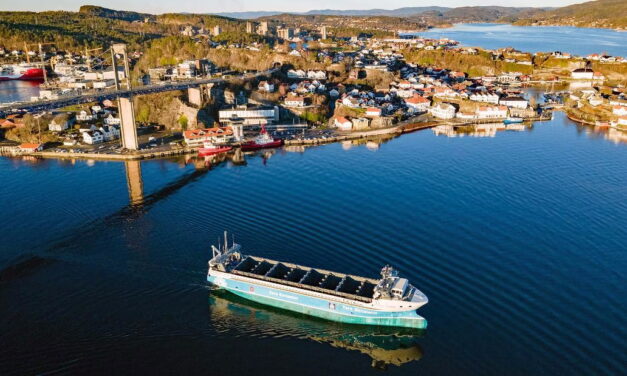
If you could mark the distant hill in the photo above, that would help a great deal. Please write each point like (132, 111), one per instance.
(400, 12)
(470, 14)
(436, 13)
(123, 15)
(599, 13)
(247, 15)
(482, 14)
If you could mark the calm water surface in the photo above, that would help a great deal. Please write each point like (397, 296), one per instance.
(14, 91)
(579, 41)
(518, 240)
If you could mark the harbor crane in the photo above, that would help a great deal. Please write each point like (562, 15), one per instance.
(41, 56)
(88, 58)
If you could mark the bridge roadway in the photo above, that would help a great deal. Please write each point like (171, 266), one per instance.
(93, 96)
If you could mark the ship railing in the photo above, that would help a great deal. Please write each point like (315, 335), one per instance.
(303, 286)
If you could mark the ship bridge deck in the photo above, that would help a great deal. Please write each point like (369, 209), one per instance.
(323, 281)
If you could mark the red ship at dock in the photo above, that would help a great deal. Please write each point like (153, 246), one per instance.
(262, 141)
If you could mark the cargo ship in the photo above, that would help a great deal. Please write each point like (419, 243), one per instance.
(21, 72)
(389, 301)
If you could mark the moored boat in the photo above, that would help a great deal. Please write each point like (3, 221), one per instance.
(513, 120)
(262, 141)
(212, 149)
(389, 301)
(21, 72)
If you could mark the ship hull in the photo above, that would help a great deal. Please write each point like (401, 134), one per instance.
(512, 121)
(205, 152)
(324, 308)
(27, 75)
(251, 146)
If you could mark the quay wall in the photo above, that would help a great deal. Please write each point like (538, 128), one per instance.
(112, 157)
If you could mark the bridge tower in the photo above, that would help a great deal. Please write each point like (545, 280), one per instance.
(125, 104)
(195, 96)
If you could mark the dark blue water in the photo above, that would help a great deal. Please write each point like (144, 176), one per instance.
(575, 40)
(518, 240)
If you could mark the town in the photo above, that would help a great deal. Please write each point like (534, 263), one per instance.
(302, 85)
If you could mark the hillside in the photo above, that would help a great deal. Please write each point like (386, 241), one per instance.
(599, 13)
(92, 10)
(71, 29)
(95, 26)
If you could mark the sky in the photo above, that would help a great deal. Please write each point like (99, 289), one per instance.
(218, 6)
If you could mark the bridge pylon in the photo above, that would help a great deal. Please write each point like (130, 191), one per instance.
(128, 128)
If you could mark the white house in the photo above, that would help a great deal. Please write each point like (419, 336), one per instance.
(582, 74)
(112, 120)
(466, 115)
(514, 102)
(350, 102)
(296, 73)
(342, 123)
(317, 75)
(60, 123)
(93, 137)
(85, 116)
(109, 132)
(619, 110)
(373, 112)
(293, 100)
(443, 111)
(484, 97)
(408, 93)
(418, 103)
(491, 112)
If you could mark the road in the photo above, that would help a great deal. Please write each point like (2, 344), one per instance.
(98, 96)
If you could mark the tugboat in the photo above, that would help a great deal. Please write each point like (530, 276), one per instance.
(262, 141)
(513, 120)
(212, 149)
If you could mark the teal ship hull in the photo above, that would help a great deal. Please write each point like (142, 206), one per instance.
(326, 308)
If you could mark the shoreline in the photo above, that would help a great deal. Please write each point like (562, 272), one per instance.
(395, 130)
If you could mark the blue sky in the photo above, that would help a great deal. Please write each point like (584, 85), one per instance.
(216, 6)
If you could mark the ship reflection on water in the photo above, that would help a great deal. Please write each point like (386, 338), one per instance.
(233, 315)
